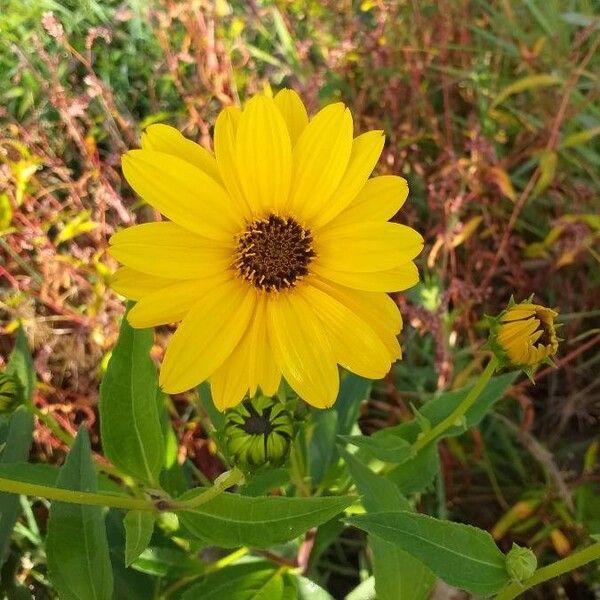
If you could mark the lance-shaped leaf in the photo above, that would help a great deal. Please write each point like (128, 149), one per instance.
(139, 525)
(15, 437)
(230, 520)
(131, 431)
(76, 546)
(461, 555)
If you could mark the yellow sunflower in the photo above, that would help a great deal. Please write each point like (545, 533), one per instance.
(277, 255)
(527, 333)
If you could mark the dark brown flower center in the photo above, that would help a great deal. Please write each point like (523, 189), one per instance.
(274, 253)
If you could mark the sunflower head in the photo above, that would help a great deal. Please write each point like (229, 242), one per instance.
(276, 253)
(258, 433)
(524, 335)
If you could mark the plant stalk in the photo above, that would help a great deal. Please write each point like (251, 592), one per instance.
(224, 481)
(570, 563)
(460, 410)
(75, 497)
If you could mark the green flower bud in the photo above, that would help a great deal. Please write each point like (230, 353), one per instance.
(11, 393)
(258, 433)
(521, 563)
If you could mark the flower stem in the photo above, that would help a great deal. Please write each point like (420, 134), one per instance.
(575, 560)
(460, 410)
(224, 481)
(75, 497)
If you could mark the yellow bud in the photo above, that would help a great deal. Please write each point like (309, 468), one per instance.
(524, 335)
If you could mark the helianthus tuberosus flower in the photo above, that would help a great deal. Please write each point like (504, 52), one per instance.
(277, 255)
(524, 335)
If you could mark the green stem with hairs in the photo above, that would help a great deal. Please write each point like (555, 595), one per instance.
(75, 497)
(460, 410)
(574, 561)
(224, 481)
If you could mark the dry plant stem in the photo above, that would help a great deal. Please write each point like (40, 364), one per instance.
(570, 563)
(460, 410)
(74, 497)
(550, 146)
(224, 481)
(67, 439)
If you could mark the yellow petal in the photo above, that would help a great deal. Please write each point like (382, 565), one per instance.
(226, 128)
(518, 314)
(366, 149)
(393, 280)
(207, 336)
(183, 193)
(263, 156)
(171, 303)
(517, 331)
(135, 284)
(320, 159)
(376, 309)
(166, 250)
(396, 279)
(163, 138)
(302, 350)
(229, 384)
(261, 369)
(293, 111)
(366, 247)
(379, 200)
(355, 345)
(250, 365)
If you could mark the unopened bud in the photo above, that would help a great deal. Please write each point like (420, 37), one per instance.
(258, 432)
(521, 563)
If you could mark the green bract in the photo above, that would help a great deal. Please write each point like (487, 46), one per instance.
(521, 563)
(258, 432)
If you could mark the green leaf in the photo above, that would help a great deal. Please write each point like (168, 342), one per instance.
(231, 520)
(15, 437)
(377, 493)
(20, 364)
(321, 448)
(338, 420)
(353, 391)
(258, 484)
(39, 473)
(139, 525)
(248, 581)
(216, 417)
(168, 562)
(129, 584)
(548, 161)
(309, 590)
(530, 82)
(398, 575)
(388, 448)
(440, 407)
(77, 548)
(418, 473)
(130, 423)
(461, 555)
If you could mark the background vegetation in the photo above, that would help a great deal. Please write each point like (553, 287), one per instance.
(491, 111)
